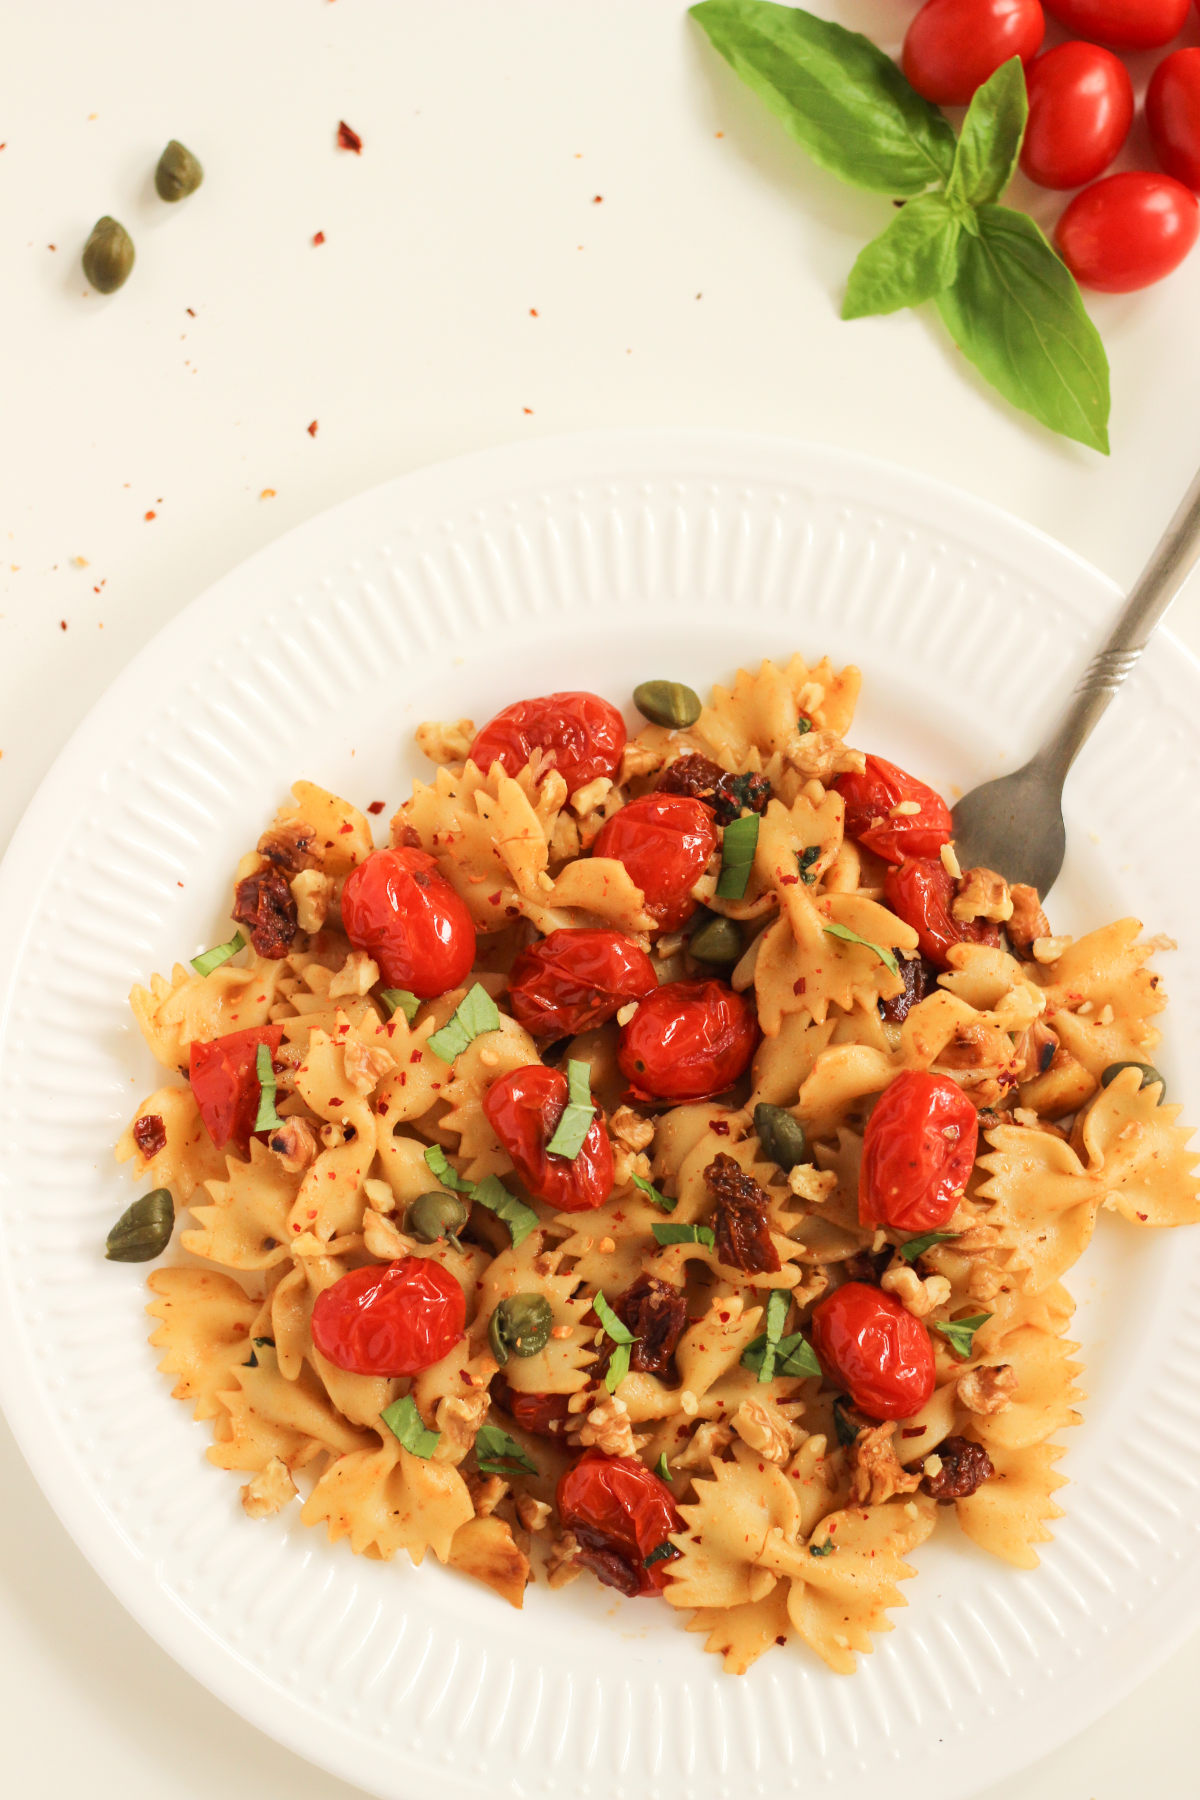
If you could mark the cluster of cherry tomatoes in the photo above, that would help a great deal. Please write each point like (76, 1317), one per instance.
(1121, 231)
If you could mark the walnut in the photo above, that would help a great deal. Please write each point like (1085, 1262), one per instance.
(630, 1128)
(534, 1514)
(608, 1427)
(565, 842)
(1037, 1049)
(809, 1183)
(357, 976)
(458, 1418)
(920, 1298)
(766, 1428)
(982, 894)
(381, 1237)
(332, 1136)
(443, 742)
(379, 1195)
(1028, 921)
(269, 1491)
(1049, 949)
(313, 894)
(638, 758)
(627, 1164)
(987, 1389)
(561, 1566)
(486, 1492)
(984, 1282)
(823, 754)
(875, 1470)
(708, 1441)
(290, 846)
(586, 799)
(366, 1066)
(294, 1145)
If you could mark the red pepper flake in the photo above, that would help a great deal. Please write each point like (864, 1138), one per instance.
(597, 199)
(798, 987)
(318, 238)
(62, 624)
(527, 410)
(150, 515)
(347, 139)
(336, 1100)
(913, 1430)
(1143, 1217)
(376, 807)
(343, 829)
(415, 1057)
(312, 429)
(533, 312)
(719, 1126)
(788, 880)
(493, 899)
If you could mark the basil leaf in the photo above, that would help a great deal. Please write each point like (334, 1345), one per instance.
(990, 140)
(837, 94)
(660, 1553)
(652, 1194)
(475, 1013)
(613, 1327)
(843, 1424)
(208, 960)
(618, 1367)
(917, 1246)
(804, 862)
(577, 1115)
(914, 259)
(492, 1193)
(778, 1302)
(438, 1164)
(685, 1234)
(661, 1468)
(498, 1454)
(825, 1549)
(737, 856)
(852, 937)
(400, 1000)
(405, 1422)
(792, 1356)
(960, 1333)
(266, 1118)
(1015, 311)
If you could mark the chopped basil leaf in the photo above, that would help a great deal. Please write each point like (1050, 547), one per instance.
(852, 937)
(618, 1368)
(804, 725)
(805, 860)
(652, 1194)
(266, 1118)
(737, 856)
(960, 1333)
(490, 1192)
(778, 1302)
(661, 1468)
(400, 1000)
(476, 1013)
(685, 1234)
(405, 1423)
(792, 1356)
(208, 960)
(660, 1553)
(438, 1164)
(917, 1246)
(843, 1424)
(577, 1115)
(498, 1454)
(613, 1327)
(825, 1549)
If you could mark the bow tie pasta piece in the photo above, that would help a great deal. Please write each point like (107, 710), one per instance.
(1036, 1401)
(1007, 1515)
(610, 1246)
(330, 1198)
(1043, 1202)
(246, 1224)
(188, 1157)
(203, 1330)
(485, 1548)
(385, 1500)
(1100, 999)
(801, 968)
(319, 831)
(490, 835)
(729, 1521)
(1139, 1155)
(360, 1398)
(739, 1635)
(194, 1009)
(761, 712)
(264, 1415)
(560, 1366)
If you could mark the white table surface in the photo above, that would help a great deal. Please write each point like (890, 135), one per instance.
(471, 288)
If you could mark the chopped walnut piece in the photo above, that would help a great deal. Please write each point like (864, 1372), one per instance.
(486, 1493)
(445, 742)
(458, 1418)
(950, 862)
(710, 1439)
(959, 1468)
(984, 1282)
(290, 846)
(1049, 949)
(313, 893)
(765, 1428)
(382, 1238)
(918, 1297)
(586, 799)
(294, 1145)
(332, 1136)
(534, 1514)
(561, 1566)
(1028, 921)
(987, 1389)
(608, 1428)
(822, 754)
(269, 1491)
(982, 894)
(1037, 1048)
(631, 1128)
(743, 1232)
(356, 977)
(875, 1470)
(379, 1195)
(809, 1183)
(366, 1065)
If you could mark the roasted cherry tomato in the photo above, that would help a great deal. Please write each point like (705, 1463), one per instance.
(585, 734)
(542, 1415)
(1080, 111)
(871, 1345)
(918, 1150)
(1128, 231)
(523, 1109)
(953, 46)
(688, 1041)
(391, 1318)
(225, 1084)
(920, 892)
(1173, 115)
(573, 980)
(1122, 24)
(620, 1512)
(665, 841)
(870, 801)
(402, 912)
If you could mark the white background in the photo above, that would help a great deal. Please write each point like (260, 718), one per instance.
(702, 287)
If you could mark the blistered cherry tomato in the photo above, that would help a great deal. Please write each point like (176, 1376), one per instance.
(953, 46)
(1080, 111)
(390, 1319)
(688, 1041)
(542, 1415)
(918, 1150)
(665, 841)
(1122, 24)
(620, 1512)
(1173, 115)
(573, 980)
(1128, 231)
(523, 1109)
(921, 892)
(871, 1345)
(403, 913)
(585, 734)
(224, 1077)
(870, 798)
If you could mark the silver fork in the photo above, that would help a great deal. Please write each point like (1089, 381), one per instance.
(1015, 824)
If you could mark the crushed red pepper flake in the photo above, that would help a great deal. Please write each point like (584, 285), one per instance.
(312, 429)
(150, 515)
(597, 199)
(348, 139)
(190, 311)
(318, 237)
(533, 312)
(376, 807)
(62, 624)
(527, 409)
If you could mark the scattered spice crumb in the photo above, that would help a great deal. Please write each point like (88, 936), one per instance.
(191, 312)
(597, 199)
(312, 429)
(52, 246)
(699, 296)
(718, 134)
(150, 515)
(533, 312)
(80, 562)
(318, 237)
(527, 409)
(377, 807)
(62, 624)
(267, 494)
(348, 139)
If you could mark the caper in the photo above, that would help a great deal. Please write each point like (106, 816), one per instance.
(667, 703)
(143, 1230)
(520, 1326)
(1149, 1074)
(718, 940)
(781, 1136)
(108, 255)
(178, 173)
(435, 1215)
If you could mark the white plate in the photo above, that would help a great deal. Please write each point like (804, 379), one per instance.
(589, 562)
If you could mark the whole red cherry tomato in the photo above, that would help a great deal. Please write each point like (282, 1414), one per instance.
(953, 46)
(870, 798)
(585, 733)
(920, 892)
(918, 1151)
(402, 912)
(523, 1109)
(620, 1512)
(1080, 111)
(1122, 24)
(871, 1345)
(573, 980)
(225, 1086)
(1128, 231)
(665, 841)
(390, 1319)
(542, 1415)
(1173, 115)
(688, 1041)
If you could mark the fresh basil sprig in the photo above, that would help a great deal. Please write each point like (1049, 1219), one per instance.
(499, 1454)
(475, 1013)
(577, 1114)
(851, 937)
(622, 1340)
(662, 1201)
(960, 1333)
(405, 1422)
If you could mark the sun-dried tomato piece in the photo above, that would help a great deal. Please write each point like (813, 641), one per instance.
(656, 1313)
(150, 1134)
(264, 902)
(740, 1218)
(920, 978)
(965, 1467)
(608, 1566)
(699, 778)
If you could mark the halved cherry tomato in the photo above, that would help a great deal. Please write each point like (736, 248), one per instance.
(1173, 115)
(523, 1109)
(225, 1084)
(390, 1319)
(920, 892)
(1080, 111)
(1122, 24)
(953, 46)
(871, 1345)
(870, 799)
(573, 980)
(543, 1415)
(665, 841)
(688, 1041)
(918, 1151)
(399, 909)
(584, 733)
(620, 1512)
(1128, 231)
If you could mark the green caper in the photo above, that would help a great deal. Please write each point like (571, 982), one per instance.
(108, 255)
(520, 1326)
(781, 1136)
(143, 1230)
(435, 1215)
(667, 703)
(178, 173)
(1149, 1074)
(718, 940)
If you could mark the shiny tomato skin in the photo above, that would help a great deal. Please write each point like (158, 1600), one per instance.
(665, 841)
(871, 1345)
(390, 1318)
(918, 1152)
(1080, 111)
(585, 733)
(1173, 115)
(573, 980)
(1122, 24)
(523, 1109)
(618, 1507)
(399, 909)
(920, 892)
(688, 1041)
(1128, 231)
(224, 1080)
(871, 795)
(542, 1415)
(953, 46)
